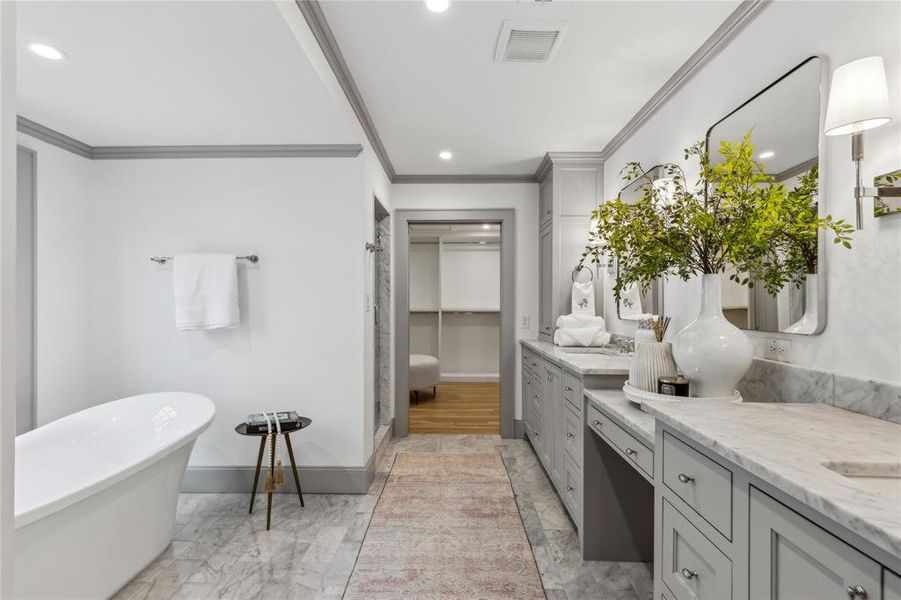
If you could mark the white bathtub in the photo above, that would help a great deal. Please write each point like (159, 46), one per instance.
(96, 493)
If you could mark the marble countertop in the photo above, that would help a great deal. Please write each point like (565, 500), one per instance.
(614, 404)
(787, 445)
(582, 363)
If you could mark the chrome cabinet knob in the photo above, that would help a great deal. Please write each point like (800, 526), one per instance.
(685, 478)
(570, 435)
(570, 488)
(568, 389)
(689, 574)
(857, 592)
(596, 423)
(528, 382)
(536, 396)
(631, 452)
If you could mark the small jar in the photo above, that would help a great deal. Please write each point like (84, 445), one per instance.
(676, 385)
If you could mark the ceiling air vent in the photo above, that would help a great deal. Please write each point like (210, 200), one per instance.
(529, 41)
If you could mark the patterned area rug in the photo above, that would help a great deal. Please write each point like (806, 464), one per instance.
(446, 526)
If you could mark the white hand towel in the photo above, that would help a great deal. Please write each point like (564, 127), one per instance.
(206, 291)
(581, 336)
(630, 302)
(567, 321)
(583, 298)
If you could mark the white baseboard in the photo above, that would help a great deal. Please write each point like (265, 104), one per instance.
(470, 377)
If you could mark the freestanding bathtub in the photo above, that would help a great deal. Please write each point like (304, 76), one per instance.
(96, 493)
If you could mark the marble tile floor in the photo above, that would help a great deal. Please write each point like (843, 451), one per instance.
(219, 551)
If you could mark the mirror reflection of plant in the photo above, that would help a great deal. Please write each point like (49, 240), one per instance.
(794, 246)
(731, 218)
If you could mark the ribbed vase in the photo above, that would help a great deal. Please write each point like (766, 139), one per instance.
(653, 360)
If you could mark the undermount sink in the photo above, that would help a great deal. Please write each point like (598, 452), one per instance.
(882, 479)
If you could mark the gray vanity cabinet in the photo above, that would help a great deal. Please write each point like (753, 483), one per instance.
(725, 534)
(790, 557)
(571, 185)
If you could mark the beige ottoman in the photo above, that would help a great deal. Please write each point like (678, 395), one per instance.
(425, 372)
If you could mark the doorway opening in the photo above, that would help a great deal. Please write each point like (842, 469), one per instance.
(454, 323)
(454, 355)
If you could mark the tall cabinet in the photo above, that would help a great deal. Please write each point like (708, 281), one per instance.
(571, 184)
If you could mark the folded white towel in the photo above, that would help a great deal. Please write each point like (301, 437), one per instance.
(567, 321)
(206, 291)
(583, 298)
(581, 336)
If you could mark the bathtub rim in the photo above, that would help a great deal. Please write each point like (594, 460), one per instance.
(40, 511)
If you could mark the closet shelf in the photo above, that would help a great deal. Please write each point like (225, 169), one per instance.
(470, 310)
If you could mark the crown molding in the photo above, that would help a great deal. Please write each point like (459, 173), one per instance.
(544, 167)
(70, 144)
(51, 136)
(465, 178)
(797, 169)
(737, 20)
(312, 12)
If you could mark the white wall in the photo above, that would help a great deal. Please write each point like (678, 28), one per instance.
(299, 345)
(523, 198)
(863, 332)
(65, 244)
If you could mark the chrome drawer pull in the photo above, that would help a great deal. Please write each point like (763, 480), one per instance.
(685, 478)
(631, 452)
(689, 574)
(856, 591)
(596, 423)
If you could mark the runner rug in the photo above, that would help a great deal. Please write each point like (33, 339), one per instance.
(446, 526)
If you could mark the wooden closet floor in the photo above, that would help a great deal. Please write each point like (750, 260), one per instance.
(457, 408)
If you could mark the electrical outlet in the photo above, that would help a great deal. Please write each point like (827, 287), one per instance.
(525, 321)
(777, 349)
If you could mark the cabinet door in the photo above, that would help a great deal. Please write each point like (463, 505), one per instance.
(554, 412)
(892, 585)
(791, 558)
(527, 402)
(546, 282)
(547, 420)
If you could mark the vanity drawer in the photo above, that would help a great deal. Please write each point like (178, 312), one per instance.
(572, 488)
(703, 484)
(531, 361)
(693, 568)
(572, 390)
(572, 434)
(641, 455)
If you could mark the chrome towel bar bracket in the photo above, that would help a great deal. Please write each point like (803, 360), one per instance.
(161, 260)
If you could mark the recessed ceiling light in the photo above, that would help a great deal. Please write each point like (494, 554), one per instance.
(486, 226)
(445, 155)
(766, 155)
(437, 5)
(45, 51)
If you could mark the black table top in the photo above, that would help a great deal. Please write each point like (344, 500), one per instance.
(304, 422)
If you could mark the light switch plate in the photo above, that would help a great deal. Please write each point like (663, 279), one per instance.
(778, 349)
(525, 321)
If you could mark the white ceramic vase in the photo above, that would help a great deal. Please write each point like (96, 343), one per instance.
(712, 352)
(807, 324)
(652, 361)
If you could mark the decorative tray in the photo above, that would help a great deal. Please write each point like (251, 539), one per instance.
(637, 396)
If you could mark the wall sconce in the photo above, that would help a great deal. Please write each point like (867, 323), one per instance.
(858, 100)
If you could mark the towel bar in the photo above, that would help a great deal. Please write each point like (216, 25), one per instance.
(251, 258)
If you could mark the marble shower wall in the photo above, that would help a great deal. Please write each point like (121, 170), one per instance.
(383, 265)
(769, 381)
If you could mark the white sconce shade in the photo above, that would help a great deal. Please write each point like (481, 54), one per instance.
(858, 97)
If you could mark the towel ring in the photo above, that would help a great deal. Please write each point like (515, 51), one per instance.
(583, 268)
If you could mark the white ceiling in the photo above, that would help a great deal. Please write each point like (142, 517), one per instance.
(173, 73)
(431, 83)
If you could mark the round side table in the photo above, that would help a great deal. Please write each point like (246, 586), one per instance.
(286, 431)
